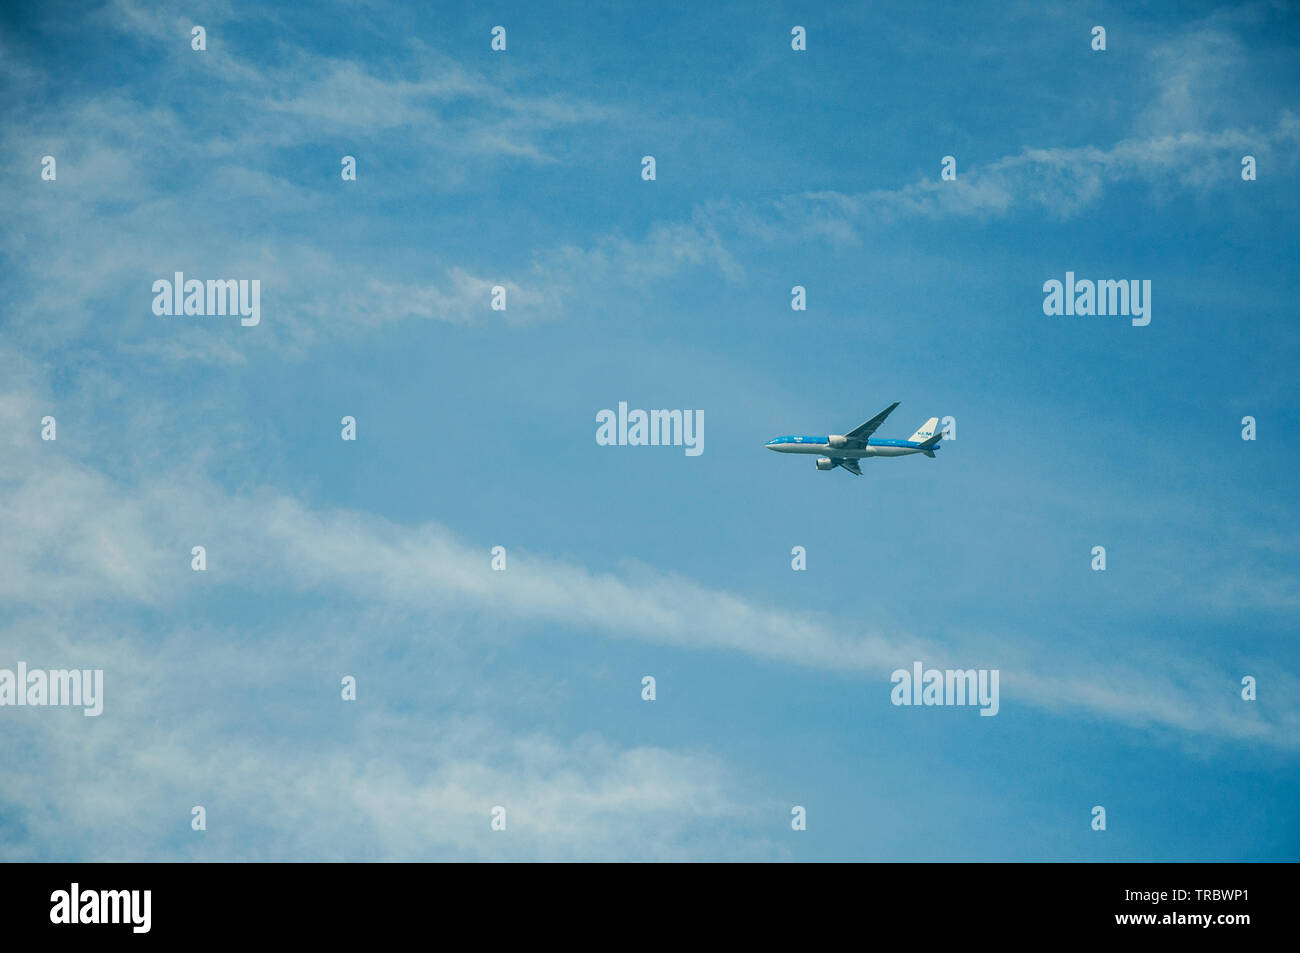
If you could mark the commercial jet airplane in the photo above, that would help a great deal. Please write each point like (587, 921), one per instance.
(845, 450)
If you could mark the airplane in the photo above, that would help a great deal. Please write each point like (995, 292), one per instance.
(845, 450)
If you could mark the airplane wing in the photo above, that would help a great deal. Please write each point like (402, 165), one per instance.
(860, 434)
(848, 464)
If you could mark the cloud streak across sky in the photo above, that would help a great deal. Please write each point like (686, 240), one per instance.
(476, 171)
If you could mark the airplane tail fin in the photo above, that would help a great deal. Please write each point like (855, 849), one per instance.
(927, 432)
(928, 453)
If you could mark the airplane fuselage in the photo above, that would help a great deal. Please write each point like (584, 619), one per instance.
(822, 447)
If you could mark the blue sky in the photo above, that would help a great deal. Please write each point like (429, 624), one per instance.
(476, 428)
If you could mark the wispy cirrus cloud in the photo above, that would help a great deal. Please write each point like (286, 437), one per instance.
(1059, 182)
(111, 542)
(223, 686)
(132, 224)
(286, 771)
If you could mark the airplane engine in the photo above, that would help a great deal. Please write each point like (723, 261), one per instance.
(837, 441)
(824, 463)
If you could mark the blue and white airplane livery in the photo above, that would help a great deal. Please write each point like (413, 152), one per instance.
(845, 450)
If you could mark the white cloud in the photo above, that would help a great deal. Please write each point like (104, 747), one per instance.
(106, 541)
(189, 722)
